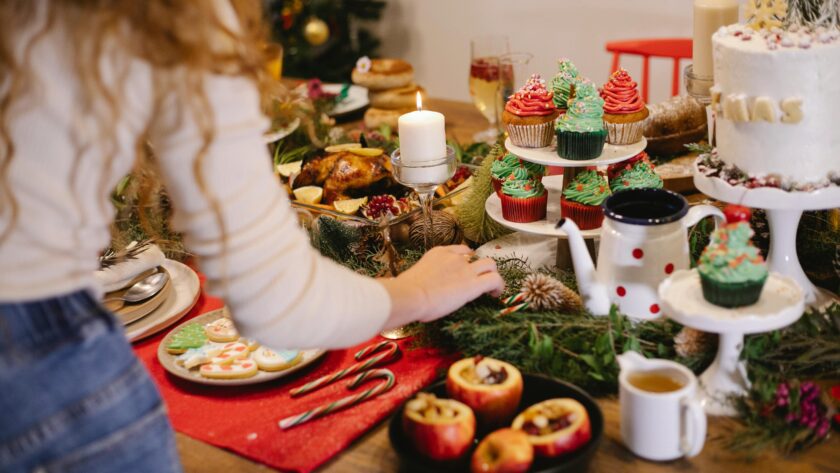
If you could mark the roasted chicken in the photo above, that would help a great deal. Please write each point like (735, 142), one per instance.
(344, 175)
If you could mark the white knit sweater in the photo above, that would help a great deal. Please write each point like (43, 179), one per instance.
(279, 290)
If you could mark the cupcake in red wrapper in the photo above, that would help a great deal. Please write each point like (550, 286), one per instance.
(624, 110)
(510, 167)
(529, 115)
(523, 201)
(582, 199)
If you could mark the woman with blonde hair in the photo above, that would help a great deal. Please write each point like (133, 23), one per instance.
(84, 85)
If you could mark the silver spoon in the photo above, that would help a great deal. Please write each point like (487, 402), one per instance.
(142, 289)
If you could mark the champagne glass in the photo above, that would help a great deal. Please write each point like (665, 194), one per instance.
(486, 54)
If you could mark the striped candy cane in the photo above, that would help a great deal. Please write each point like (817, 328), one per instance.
(388, 349)
(348, 401)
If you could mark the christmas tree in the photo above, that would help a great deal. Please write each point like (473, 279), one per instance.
(323, 38)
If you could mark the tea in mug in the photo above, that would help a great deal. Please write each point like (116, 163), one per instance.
(655, 382)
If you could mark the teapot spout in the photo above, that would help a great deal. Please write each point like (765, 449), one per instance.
(593, 291)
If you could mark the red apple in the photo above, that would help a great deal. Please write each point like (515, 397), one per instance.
(503, 451)
(441, 429)
(492, 388)
(555, 427)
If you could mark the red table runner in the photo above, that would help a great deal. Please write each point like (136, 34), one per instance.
(244, 419)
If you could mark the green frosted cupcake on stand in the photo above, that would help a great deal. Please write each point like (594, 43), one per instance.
(636, 173)
(582, 199)
(510, 167)
(732, 271)
(580, 132)
(562, 84)
(524, 201)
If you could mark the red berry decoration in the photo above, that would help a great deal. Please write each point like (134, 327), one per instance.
(379, 205)
(737, 213)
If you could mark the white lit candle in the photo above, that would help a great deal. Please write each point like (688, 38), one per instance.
(709, 16)
(422, 140)
(422, 135)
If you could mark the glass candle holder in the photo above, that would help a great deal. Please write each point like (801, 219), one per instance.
(698, 86)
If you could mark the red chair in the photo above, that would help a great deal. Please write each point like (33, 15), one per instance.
(674, 48)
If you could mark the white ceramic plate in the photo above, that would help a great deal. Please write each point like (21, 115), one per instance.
(186, 290)
(280, 133)
(548, 156)
(554, 186)
(168, 360)
(357, 98)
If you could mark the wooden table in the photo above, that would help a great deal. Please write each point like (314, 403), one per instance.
(373, 453)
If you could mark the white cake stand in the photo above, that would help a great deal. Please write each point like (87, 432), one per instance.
(548, 156)
(784, 209)
(781, 304)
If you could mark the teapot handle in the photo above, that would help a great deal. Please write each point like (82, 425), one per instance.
(699, 212)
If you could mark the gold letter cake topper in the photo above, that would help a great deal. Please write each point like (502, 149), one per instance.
(766, 14)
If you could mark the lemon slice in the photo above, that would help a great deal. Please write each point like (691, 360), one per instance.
(366, 151)
(350, 206)
(342, 147)
(288, 169)
(309, 194)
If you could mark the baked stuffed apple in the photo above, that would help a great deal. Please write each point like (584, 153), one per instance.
(441, 429)
(555, 427)
(492, 388)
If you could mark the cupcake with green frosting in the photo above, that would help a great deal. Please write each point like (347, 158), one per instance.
(635, 173)
(582, 199)
(562, 84)
(732, 271)
(509, 167)
(524, 200)
(580, 132)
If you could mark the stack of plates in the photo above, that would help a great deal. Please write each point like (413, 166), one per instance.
(160, 310)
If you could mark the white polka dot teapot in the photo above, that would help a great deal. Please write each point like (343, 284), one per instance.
(644, 238)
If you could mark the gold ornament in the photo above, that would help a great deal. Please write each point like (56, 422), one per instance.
(766, 14)
(445, 230)
(316, 31)
(543, 292)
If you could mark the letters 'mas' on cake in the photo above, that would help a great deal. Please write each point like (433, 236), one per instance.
(776, 97)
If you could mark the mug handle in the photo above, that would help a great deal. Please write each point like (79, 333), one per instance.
(694, 422)
(699, 212)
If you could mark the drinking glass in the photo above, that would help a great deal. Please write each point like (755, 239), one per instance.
(486, 92)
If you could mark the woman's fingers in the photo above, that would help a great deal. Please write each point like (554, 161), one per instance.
(492, 283)
(458, 249)
(484, 265)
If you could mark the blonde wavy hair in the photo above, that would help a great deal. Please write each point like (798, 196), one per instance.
(189, 36)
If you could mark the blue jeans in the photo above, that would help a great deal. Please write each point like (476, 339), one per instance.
(73, 397)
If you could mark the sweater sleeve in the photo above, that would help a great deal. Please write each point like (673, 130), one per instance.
(246, 236)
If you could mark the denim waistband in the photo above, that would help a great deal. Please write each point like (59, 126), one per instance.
(48, 321)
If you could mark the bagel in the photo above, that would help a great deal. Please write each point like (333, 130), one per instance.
(376, 117)
(384, 74)
(402, 97)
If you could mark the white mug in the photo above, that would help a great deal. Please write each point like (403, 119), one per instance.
(660, 425)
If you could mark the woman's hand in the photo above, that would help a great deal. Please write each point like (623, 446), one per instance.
(442, 281)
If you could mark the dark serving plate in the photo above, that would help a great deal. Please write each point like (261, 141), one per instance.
(536, 389)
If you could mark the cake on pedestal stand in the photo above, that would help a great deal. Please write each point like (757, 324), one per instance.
(784, 209)
(781, 304)
(554, 186)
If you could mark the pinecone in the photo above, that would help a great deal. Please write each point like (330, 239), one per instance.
(690, 342)
(543, 292)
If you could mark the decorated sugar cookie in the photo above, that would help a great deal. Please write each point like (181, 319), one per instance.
(252, 344)
(189, 336)
(270, 360)
(199, 356)
(238, 369)
(222, 330)
(230, 353)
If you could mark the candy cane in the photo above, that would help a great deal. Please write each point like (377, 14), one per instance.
(512, 309)
(348, 401)
(389, 351)
(514, 299)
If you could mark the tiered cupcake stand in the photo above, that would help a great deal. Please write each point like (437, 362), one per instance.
(784, 210)
(554, 185)
(781, 304)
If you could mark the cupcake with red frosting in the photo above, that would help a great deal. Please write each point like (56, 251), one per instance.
(529, 114)
(624, 110)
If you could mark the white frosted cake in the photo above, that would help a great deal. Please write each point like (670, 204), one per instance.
(777, 105)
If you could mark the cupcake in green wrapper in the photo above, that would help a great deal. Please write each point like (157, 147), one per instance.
(732, 271)
(635, 174)
(580, 132)
(582, 199)
(523, 201)
(563, 83)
